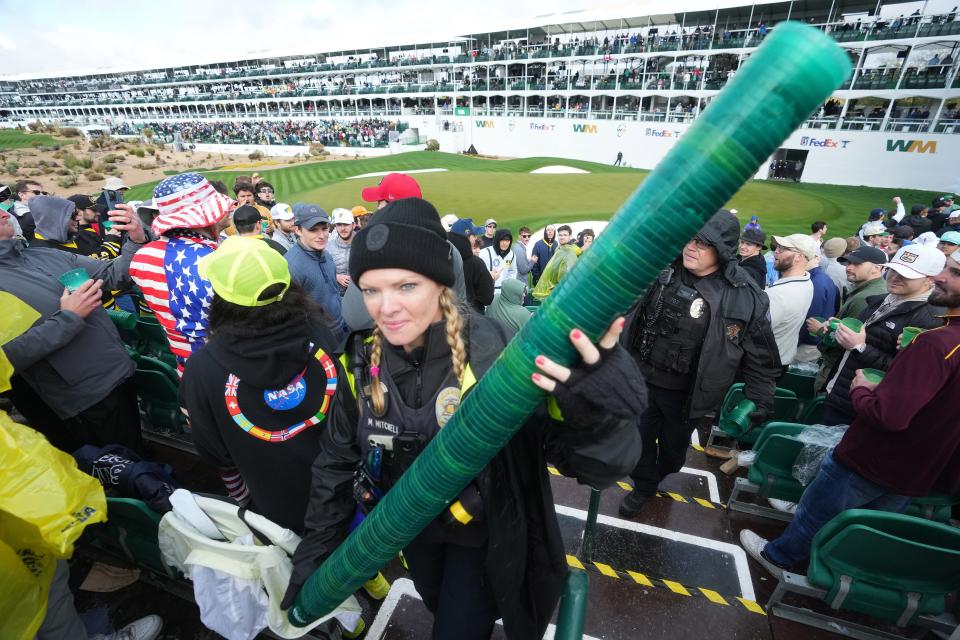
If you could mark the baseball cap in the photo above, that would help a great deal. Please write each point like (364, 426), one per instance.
(246, 214)
(877, 214)
(307, 216)
(801, 242)
(917, 261)
(953, 237)
(864, 254)
(903, 232)
(938, 203)
(393, 186)
(874, 229)
(464, 226)
(83, 202)
(755, 236)
(448, 220)
(341, 216)
(834, 247)
(241, 269)
(954, 214)
(927, 237)
(490, 221)
(113, 183)
(358, 211)
(281, 211)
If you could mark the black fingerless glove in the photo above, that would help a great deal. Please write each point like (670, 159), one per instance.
(613, 385)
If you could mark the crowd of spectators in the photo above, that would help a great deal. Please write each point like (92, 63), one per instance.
(258, 298)
(337, 133)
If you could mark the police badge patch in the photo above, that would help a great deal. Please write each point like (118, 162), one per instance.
(733, 331)
(697, 307)
(448, 400)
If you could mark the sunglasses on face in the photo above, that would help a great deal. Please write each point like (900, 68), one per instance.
(36, 192)
(266, 190)
(524, 236)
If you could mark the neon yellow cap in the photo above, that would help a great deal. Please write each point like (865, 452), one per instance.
(242, 268)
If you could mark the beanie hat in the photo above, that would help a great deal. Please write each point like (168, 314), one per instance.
(405, 234)
(834, 247)
(242, 268)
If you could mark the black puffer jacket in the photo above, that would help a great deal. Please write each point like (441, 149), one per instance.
(881, 346)
(739, 337)
(476, 278)
(525, 563)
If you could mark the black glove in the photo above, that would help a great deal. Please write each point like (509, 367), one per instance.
(302, 570)
(758, 417)
(612, 385)
(290, 595)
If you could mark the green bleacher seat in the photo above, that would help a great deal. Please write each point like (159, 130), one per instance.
(131, 532)
(786, 406)
(886, 565)
(801, 383)
(813, 411)
(152, 340)
(891, 567)
(771, 475)
(936, 506)
(157, 392)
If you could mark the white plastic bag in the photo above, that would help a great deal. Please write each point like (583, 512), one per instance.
(239, 570)
(817, 441)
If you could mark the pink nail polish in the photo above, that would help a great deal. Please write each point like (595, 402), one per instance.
(576, 334)
(540, 360)
(536, 377)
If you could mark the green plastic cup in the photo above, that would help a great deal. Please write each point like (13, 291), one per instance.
(873, 375)
(909, 335)
(738, 420)
(854, 324)
(107, 225)
(73, 280)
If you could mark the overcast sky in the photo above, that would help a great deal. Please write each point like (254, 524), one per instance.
(63, 36)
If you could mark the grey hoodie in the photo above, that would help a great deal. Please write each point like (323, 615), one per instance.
(52, 217)
(71, 362)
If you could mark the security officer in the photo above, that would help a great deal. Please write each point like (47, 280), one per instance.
(700, 325)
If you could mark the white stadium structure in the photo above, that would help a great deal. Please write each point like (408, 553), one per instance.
(587, 84)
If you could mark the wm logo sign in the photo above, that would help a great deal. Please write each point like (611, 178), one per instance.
(912, 146)
(584, 128)
(484, 124)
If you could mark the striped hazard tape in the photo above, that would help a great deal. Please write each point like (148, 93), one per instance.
(676, 497)
(663, 584)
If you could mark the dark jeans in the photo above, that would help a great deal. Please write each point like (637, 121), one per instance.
(665, 433)
(113, 420)
(452, 581)
(834, 490)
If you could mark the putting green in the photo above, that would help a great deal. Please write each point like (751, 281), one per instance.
(506, 190)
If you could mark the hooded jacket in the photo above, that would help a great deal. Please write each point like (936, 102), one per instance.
(274, 463)
(71, 362)
(508, 306)
(497, 259)
(544, 251)
(478, 285)
(52, 218)
(738, 340)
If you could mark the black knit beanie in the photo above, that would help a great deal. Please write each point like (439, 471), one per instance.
(405, 234)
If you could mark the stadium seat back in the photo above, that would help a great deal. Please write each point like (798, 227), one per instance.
(159, 401)
(785, 408)
(886, 565)
(813, 411)
(131, 531)
(802, 384)
(776, 450)
(936, 506)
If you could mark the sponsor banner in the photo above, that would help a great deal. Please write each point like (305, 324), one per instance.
(823, 143)
(912, 146)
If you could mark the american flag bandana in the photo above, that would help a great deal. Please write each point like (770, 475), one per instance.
(188, 201)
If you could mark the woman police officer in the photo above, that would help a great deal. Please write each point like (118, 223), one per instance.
(497, 552)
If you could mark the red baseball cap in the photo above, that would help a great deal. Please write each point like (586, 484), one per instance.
(394, 186)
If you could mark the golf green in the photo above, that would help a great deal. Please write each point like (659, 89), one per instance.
(506, 190)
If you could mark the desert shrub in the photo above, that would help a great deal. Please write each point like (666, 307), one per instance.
(63, 171)
(316, 149)
(433, 145)
(34, 126)
(67, 181)
(70, 132)
(138, 152)
(255, 155)
(11, 168)
(93, 176)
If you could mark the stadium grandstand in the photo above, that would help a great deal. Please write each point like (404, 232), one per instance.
(623, 82)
